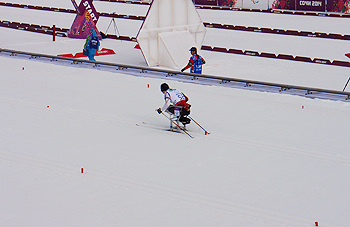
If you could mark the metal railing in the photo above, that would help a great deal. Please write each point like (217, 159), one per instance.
(309, 92)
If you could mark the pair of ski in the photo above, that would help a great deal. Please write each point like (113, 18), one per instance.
(183, 129)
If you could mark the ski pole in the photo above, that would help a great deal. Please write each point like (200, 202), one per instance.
(346, 84)
(178, 125)
(205, 131)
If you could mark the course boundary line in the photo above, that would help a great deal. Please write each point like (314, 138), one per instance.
(310, 92)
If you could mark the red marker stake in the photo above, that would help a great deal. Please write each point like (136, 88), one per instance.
(316, 223)
(54, 33)
(82, 170)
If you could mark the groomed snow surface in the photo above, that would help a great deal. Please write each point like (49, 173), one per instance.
(270, 160)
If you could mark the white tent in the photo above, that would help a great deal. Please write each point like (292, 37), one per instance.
(170, 29)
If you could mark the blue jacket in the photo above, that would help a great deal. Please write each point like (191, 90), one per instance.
(93, 42)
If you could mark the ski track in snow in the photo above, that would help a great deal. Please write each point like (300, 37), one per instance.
(166, 192)
(161, 191)
(216, 135)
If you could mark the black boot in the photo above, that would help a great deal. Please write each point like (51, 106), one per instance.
(184, 120)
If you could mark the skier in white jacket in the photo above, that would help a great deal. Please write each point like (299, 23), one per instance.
(175, 98)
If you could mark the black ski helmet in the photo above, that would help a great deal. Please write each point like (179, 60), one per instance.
(164, 87)
(193, 49)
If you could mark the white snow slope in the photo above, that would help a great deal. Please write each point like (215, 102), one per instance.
(270, 160)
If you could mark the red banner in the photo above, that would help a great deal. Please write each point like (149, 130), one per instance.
(229, 3)
(283, 4)
(206, 2)
(311, 5)
(340, 6)
(104, 51)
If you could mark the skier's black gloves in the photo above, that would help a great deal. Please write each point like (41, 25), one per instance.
(183, 69)
(159, 110)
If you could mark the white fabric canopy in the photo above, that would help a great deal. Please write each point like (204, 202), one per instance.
(170, 29)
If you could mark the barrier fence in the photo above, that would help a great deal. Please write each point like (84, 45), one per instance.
(207, 24)
(62, 32)
(335, 9)
(309, 92)
(336, 6)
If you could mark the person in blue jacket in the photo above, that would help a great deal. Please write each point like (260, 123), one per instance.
(92, 45)
(85, 51)
(195, 62)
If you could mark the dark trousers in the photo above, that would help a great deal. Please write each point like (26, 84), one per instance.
(184, 110)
